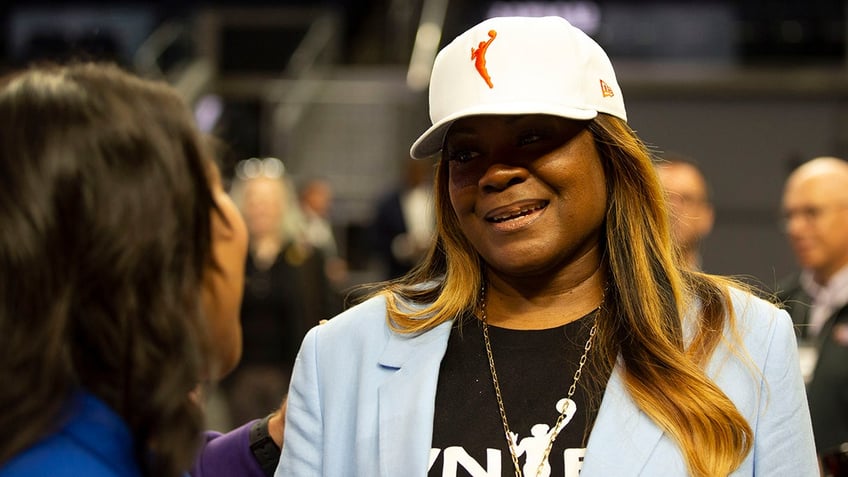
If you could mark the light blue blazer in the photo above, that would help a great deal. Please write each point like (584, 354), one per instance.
(361, 403)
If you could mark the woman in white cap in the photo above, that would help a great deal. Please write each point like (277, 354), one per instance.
(551, 330)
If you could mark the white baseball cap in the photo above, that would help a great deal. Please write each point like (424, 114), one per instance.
(519, 65)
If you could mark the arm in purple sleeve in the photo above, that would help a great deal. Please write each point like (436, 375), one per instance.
(225, 455)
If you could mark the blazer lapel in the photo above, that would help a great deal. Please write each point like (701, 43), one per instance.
(621, 442)
(623, 437)
(407, 400)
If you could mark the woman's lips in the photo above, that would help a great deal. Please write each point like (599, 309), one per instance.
(514, 211)
(516, 216)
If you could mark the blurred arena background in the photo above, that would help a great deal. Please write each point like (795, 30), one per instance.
(748, 88)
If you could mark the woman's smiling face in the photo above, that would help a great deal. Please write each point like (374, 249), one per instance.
(529, 191)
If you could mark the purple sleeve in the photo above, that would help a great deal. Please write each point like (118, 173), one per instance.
(225, 455)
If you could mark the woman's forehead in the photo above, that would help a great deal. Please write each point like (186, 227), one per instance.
(473, 124)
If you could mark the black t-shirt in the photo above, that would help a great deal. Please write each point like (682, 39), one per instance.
(535, 370)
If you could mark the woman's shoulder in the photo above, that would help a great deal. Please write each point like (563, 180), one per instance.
(751, 308)
(369, 312)
(362, 328)
(360, 325)
(60, 456)
(759, 322)
(94, 442)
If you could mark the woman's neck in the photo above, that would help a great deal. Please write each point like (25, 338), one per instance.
(553, 305)
(265, 250)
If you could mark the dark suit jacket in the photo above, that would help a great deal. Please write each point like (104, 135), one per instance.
(828, 391)
(388, 224)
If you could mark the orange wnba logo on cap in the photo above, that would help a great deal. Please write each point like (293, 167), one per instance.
(479, 57)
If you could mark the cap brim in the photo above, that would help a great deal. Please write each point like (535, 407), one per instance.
(430, 143)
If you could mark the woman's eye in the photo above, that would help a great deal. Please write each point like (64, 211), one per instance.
(530, 138)
(461, 155)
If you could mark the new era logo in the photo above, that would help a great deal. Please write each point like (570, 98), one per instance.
(606, 91)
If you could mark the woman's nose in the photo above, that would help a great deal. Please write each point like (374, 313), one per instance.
(500, 175)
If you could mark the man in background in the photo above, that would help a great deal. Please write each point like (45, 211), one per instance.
(315, 196)
(691, 211)
(404, 220)
(815, 213)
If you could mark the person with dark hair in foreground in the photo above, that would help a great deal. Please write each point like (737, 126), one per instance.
(122, 263)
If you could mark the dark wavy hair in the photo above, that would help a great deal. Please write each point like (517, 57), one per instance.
(105, 210)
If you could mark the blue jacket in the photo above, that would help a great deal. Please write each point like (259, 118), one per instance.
(361, 402)
(94, 442)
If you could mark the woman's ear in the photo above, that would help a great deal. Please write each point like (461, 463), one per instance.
(220, 220)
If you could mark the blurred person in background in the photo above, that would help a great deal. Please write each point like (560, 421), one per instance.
(122, 263)
(403, 225)
(286, 290)
(815, 217)
(316, 199)
(690, 210)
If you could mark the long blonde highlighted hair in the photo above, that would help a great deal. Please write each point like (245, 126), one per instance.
(641, 327)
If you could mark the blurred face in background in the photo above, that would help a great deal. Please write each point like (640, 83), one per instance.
(691, 213)
(815, 213)
(317, 196)
(264, 206)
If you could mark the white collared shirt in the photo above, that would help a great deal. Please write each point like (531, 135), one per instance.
(827, 299)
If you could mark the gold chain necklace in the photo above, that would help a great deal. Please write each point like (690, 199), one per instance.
(562, 414)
